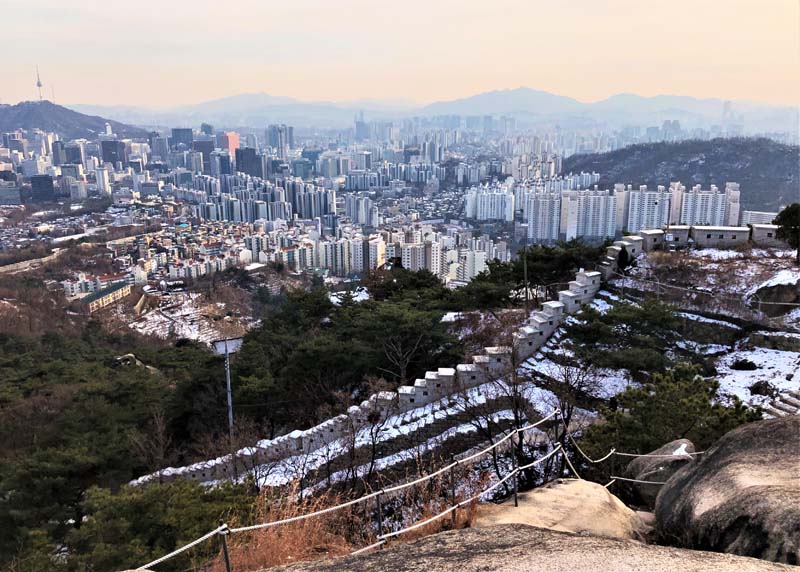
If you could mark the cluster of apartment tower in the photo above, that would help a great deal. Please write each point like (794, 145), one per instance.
(595, 214)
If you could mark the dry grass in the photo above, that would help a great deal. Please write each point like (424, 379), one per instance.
(324, 536)
(341, 532)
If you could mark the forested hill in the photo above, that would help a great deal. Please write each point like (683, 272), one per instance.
(70, 124)
(768, 172)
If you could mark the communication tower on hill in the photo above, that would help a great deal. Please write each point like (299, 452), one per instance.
(38, 82)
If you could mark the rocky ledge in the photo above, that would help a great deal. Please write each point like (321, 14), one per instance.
(521, 548)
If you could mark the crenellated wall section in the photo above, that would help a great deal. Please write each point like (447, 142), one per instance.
(426, 392)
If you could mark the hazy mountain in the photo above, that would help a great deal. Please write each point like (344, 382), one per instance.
(507, 102)
(70, 124)
(618, 110)
(530, 106)
(768, 172)
(254, 110)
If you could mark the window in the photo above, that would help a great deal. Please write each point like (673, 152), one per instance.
(411, 400)
(472, 377)
(498, 360)
(769, 235)
(438, 385)
(424, 393)
(721, 236)
(551, 321)
(708, 236)
(530, 343)
(733, 237)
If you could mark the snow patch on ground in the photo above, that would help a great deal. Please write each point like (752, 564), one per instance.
(784, 277)
(698, 318)
(360, 294)
(772, 366)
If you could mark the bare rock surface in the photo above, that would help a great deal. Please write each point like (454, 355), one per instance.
(665, 462)
(742, 497)
(567, 505)
(521, 548)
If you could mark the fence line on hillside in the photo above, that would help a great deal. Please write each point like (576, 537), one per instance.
(715, 303)
(223, 530)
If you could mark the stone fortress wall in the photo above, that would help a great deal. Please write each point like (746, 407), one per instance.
(435, 386)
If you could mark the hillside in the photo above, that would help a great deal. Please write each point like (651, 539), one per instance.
(768, 172)
(70, 124)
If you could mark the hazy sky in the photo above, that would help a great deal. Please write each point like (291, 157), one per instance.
(167, 52)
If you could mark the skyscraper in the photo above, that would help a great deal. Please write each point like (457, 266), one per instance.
(280, 138)
(181, 136)
(113, 151)
(42, 188)
(249, 162)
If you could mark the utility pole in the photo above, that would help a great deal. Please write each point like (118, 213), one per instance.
(228, 391)
(525, 275)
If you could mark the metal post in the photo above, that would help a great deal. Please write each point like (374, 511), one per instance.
(230, 407)
(453, 495)
(380, 515)
(222, 535)
(228, 390)
(514, 468)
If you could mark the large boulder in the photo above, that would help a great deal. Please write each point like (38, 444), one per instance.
(567, 505)
(520, 548)
(742, 497)
(657, 468)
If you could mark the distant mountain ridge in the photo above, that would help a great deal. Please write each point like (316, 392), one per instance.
(768, 172)
(530, 106)
(68, 123)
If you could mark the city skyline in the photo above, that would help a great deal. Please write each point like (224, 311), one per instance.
(187, 53)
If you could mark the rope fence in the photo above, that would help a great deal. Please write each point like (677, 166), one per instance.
(223, 530)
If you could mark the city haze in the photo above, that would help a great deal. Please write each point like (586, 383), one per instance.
(167, 54)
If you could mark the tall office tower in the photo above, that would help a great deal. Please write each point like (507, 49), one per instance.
(706, 207)
(647, 209)
(249, 162)
(364, 160)
(159, 147)
(220, 163)
(42, 188)
(362, 131)
(205, 147)
(251, 140)
(281, 139)
(228, 141)
(194, 162)
(732, 205)
(590, 214)
(206, 129)
(59, 155)
(181, 136)
(103, 181)
(113, 151)
(544, 214)
(74, 153)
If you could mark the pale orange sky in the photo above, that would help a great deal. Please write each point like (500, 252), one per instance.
(169, 52)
